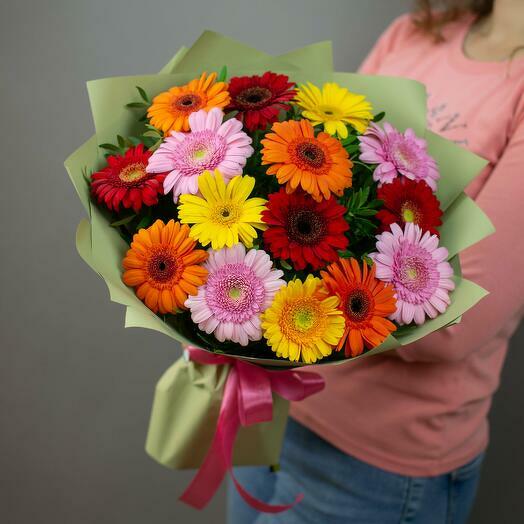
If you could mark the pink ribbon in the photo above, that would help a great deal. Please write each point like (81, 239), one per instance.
(247, 400)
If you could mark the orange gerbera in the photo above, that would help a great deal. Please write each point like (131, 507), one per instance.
(365, 302)
(163, 266)
(320, 165)
(170, 110)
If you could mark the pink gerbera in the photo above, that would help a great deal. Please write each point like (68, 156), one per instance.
(397, 154)
(239, 287)
(416, 266)
(211, 144)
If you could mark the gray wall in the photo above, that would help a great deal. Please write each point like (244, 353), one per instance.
(75, 387)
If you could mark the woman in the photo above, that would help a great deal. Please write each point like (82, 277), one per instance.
(400, 437)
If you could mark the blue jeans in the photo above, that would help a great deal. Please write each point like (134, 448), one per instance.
(341, 489)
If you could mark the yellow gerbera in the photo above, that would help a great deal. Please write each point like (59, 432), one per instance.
(303, 322)
(334, 107)
(170, 110)
(224, 214)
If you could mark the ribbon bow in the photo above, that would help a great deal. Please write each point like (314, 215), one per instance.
(247, 400)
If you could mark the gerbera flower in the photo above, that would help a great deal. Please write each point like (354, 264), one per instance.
(397, 154)
(223, 215)
(303, 322)
(164, 267)
(170, 110)
(258, 99)
(239, 287)
(320, 165)
(408, 200)
(417, 267)
(365, 301)
(125, 181)
(211, 144)
(305, 231)
(335, 107)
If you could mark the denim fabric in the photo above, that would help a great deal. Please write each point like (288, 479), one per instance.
(341, 489)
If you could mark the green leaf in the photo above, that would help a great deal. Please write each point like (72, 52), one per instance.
(145, 222)
(136, 105)
(121, 142)
(86, 173)
(376, 203)
(109, 147)
(367, 212)
(222, 75)
(352, 148)
(346, 254)
(123, 221)
(285, 265)
(351, 139)
(143, 95)
(156, 145)
(154, 134)
(363, 196)
(133, 140)
(379, 116)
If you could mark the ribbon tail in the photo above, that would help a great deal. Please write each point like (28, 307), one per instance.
(208, 478)
(218, 459)
(263, 506)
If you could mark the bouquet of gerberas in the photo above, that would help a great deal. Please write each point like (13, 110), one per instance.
(274, 214)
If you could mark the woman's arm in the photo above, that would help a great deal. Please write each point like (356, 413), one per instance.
(496, 263)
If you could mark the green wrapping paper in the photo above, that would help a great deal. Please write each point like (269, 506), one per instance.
(184, 416)
(188, 396)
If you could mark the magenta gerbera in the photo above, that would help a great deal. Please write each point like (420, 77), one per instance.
(397, 153)
(240, 286)
(416, 266)
(211, 144)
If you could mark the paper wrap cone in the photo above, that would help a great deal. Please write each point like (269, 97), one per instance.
(185, 413)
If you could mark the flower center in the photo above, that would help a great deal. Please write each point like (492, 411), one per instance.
(133, 173)
(358, 305)
(404, 155)
(414, 274)
(200, 151)
(305, 226)
(254, 97)
(329, 112)
(199, 154)
(410, 212)
(302, 319)
(226, 213)
(163, 267)
(307, 154)
(234, 293)
(188, 102)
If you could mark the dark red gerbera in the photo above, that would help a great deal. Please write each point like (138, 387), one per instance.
(408, 200)
(124, 181)
(303, 230)
(258, 99)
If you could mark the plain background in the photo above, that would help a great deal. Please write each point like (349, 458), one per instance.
(75, 387)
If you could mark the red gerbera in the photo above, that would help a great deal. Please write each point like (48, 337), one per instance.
(408, 200)
(303, 230)
(258, 99)
(124, 181)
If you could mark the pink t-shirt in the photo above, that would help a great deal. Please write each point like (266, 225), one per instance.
(422, 410)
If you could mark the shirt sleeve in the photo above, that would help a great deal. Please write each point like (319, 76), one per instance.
(496, 263)
(387, 43)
